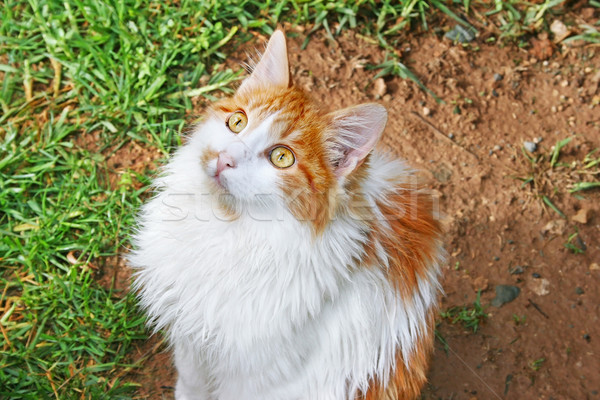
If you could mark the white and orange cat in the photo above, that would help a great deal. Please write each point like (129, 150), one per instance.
(285, 257)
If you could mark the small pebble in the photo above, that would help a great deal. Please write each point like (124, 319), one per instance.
(530, 146)
(517, 270)
(497, 148)
(426, 111)
(498, 77)
(451, 135)
(494, 93)
(536, 275)
(587, 337)
(579, 290)
(538, 140)
(510, 241)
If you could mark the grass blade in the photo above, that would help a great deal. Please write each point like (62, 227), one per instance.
(552, 206)
(579, 186)
(556, 151)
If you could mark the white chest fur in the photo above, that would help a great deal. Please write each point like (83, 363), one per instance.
(265, 310)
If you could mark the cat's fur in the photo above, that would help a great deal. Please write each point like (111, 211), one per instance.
(318, 281)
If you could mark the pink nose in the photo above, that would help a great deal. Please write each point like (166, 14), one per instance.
(224, 161)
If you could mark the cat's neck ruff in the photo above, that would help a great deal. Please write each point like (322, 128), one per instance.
(230, 287)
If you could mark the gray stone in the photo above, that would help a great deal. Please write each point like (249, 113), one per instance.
(530, 146)
(461, 34)
(505, 294)
(517, 270)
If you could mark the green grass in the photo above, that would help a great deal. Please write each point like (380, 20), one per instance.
(548, 178)
(110, 73)
(469, 316)
(61, 331)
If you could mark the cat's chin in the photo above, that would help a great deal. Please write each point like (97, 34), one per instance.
(229, 202)
(218, 185)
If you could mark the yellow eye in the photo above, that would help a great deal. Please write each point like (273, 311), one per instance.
(282, 157)
(237, 121)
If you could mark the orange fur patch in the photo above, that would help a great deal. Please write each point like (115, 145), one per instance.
(208, 155)
(406, 383)
(410, 242)
(410, 239)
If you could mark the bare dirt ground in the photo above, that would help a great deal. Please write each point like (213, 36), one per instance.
(545, 344)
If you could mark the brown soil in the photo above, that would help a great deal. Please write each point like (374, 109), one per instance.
(545, 343)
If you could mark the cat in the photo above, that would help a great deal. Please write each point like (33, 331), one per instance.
(284, 256)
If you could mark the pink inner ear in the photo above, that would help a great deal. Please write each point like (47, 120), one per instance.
(356, 130)
(273, 68)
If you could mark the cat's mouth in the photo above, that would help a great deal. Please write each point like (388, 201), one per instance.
(220, 183)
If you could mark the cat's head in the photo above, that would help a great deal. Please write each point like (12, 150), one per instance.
(270, 146)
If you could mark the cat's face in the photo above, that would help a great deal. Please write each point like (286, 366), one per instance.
(263, 141)
(268, 146)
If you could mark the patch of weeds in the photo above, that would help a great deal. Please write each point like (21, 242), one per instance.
(570, 244)
(590, 167)
(442, 340)
(392, 66)
(547, 177)
(535, 365)
(516, 18)
(469, 317)
(519, 319)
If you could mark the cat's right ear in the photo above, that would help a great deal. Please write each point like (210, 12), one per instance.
(273, 68)
(353, 134)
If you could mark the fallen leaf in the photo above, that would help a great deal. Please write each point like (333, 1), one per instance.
(582, 216)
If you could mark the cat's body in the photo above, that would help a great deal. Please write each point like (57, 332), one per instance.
(289, 260)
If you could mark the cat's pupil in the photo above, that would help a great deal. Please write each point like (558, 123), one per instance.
(281, 157)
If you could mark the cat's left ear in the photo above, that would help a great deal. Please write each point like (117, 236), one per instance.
(273, 68)
(354, 132)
